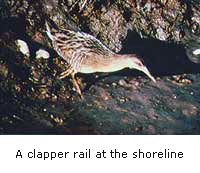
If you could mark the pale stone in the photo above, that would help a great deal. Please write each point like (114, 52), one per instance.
(41, 53)
(23, 47)
(196, 52)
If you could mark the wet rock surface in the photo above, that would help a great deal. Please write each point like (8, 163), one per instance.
(167, 107)
(34, 101)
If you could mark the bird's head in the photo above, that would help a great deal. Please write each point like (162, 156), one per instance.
(133, 62)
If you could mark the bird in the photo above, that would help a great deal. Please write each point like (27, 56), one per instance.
(86, 54)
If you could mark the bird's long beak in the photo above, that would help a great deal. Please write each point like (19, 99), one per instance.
(146, 71)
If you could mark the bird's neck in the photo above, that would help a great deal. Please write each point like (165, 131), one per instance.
(122, 61)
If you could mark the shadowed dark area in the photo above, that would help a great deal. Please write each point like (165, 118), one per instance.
(161, 57)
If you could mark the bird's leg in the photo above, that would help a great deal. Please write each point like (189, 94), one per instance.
(66, 73)
(76, 85)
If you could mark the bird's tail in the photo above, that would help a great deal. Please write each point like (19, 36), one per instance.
(48, 30)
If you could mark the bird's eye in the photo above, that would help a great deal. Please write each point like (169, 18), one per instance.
(140, 64)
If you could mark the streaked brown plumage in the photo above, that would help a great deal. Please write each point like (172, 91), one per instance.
(85, 54)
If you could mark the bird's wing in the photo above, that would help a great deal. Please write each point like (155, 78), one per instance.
(80, 41)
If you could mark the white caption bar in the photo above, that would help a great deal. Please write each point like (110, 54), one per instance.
(99, 154)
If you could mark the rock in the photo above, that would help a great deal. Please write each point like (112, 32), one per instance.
(192, 46)
(41, 53)
(196, 52)
(23, 47)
